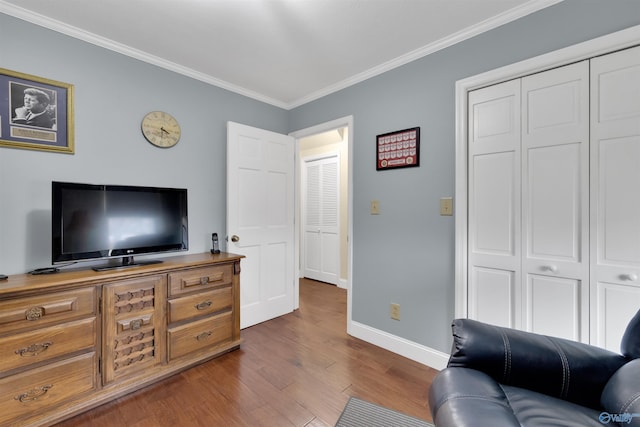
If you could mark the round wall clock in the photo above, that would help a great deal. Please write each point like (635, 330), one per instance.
(161, 129)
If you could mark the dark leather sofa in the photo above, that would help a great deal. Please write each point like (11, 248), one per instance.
(501, 377)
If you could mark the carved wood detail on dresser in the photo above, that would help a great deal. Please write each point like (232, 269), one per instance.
(77, 339)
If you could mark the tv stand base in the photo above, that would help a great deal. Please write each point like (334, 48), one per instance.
(126, 265)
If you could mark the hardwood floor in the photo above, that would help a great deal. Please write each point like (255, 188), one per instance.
(296, 370)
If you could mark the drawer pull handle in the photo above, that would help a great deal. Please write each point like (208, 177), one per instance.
(203, 305)
(136, 324)
(34, 313)
(204, 336)
(34, 349)
(204, 280)
(34, 394)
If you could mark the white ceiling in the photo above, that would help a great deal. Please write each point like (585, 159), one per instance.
(283, 52)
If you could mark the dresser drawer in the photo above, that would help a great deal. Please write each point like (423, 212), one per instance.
(44, 344)
(46, 309)
(200, 334)
(42, 389)
(199, 279)
(204, 303)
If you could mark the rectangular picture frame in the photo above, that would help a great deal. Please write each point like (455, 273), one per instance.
(35, 113)
(399, 149)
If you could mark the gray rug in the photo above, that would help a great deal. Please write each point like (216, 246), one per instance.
(359, 413)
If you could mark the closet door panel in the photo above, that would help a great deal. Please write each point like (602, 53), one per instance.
(619, 202)
(492, 294)
(553, 306)
(555, 201)
(616, 303)
(494, 200)
(494, 118)
(615, 194)
(494, 204)
(554, 204)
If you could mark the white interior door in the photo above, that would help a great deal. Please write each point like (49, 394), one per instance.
(555, 199)
(615, 194)
(529, 203)
(320, 180)
(494, 205)
(260, 219)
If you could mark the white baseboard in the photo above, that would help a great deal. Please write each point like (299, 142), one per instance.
(342, 283)
(409, 349)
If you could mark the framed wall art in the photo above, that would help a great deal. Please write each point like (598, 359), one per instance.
(35, 113)
(399, 149)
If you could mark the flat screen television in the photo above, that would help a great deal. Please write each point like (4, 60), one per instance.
(93, 222)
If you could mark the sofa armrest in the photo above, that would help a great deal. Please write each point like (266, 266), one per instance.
(561, 368)
(621, 395)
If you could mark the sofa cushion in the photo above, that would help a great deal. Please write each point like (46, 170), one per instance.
(539, 410)
(630, 345)
(621, 395)
(465, 397)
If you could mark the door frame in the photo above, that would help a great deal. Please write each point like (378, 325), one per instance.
(585, 50)
(342, 122)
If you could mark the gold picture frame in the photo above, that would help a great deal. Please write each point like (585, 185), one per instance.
(35, 113)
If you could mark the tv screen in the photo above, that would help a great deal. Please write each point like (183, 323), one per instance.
(106, 221)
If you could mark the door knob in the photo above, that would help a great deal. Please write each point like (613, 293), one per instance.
(630, 277)
(235, 238)
(549, 268)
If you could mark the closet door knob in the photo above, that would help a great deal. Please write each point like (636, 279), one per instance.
(549, 268)
(631, 277)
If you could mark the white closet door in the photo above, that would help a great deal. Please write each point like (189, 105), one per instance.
(615, 194)
(321, 259)
(494, 204)
(555, 200)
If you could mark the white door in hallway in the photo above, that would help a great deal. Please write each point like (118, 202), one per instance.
(260, 219)
(320, 181)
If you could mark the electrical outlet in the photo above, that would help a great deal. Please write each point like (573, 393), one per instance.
(395, 311)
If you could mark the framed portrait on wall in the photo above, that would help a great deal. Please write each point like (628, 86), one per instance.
(35, 113)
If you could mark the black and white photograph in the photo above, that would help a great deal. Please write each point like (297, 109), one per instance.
(35, 113)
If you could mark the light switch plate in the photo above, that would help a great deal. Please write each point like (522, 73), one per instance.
(375, 207)
(446, 206)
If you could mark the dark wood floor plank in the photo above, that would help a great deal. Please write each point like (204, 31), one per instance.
(296, 370)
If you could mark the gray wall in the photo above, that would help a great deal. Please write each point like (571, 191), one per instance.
(406, 254)
(112, 94)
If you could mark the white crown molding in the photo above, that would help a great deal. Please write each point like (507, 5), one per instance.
(482, 27)
(61, 27)
(489, 24)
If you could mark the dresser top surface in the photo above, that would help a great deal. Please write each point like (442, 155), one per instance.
(69, 278)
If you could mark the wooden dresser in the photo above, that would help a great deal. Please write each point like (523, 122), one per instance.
(74, 340)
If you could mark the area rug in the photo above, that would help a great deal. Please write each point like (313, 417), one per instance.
(359, 413)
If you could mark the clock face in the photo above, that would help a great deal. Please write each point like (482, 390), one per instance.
(161, 129)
